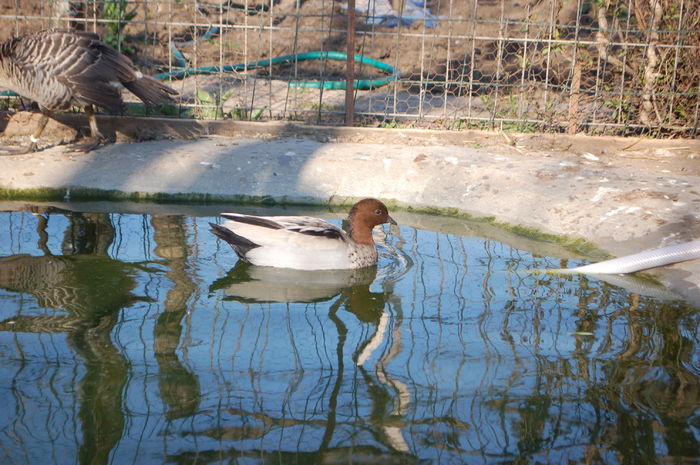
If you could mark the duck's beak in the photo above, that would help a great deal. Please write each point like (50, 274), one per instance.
(391, 220)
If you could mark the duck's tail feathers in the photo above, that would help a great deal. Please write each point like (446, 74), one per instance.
(240, 244)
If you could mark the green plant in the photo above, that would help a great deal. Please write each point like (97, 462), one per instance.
(139, 109)
(554, 46)
(621, 108)
(118, 14)
(211, 103)
(243, 114)
(167, 110)
(457, 125)
(135, 109)
(486, 100)
(512, 106)
(238, 113)
(320, 106)
(232, 45)
(256, 114)
(9, 101)
(211, 106)
(519, 126)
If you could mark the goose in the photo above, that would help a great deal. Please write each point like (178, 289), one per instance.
(60, 68)
(304, 242)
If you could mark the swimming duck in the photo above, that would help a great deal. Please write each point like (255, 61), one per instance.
(304, 242)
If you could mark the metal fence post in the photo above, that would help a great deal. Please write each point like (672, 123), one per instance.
(350, 67)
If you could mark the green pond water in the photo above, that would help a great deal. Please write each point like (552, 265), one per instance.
(130, 335)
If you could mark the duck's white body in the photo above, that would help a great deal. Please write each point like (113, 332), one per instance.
(304, 242)
(300, 242)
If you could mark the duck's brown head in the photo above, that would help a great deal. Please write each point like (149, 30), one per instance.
(365, 215)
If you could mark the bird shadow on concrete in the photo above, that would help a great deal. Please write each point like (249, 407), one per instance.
(67, 127)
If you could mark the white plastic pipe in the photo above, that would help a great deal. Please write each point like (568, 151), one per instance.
(643, 260)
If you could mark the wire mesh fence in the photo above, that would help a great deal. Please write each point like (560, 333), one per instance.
(602, 67)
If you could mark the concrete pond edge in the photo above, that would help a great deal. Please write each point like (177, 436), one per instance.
(577, 246)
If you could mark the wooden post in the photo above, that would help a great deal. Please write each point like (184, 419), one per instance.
(350, 67)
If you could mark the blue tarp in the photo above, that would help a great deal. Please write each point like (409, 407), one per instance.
(381, 13)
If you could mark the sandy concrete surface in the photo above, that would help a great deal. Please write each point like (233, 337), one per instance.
(623, 195)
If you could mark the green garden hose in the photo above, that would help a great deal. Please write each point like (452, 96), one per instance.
(363, 84)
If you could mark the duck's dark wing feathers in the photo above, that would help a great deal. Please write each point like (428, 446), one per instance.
(331, 233)
(299, 224)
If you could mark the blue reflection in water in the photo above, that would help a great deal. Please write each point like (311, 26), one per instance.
(137, 338)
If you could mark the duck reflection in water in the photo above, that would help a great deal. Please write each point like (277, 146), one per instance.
(251, 284)
(263, 284)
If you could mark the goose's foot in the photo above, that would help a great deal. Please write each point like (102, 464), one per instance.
(89, 144)
(19, 150)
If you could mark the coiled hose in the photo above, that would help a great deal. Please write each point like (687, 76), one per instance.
(362, 84)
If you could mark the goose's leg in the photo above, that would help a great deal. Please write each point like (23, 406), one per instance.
(92, 119)
(34, 138)
(96, 138)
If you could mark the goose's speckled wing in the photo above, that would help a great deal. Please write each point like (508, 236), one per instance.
(58, 68)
